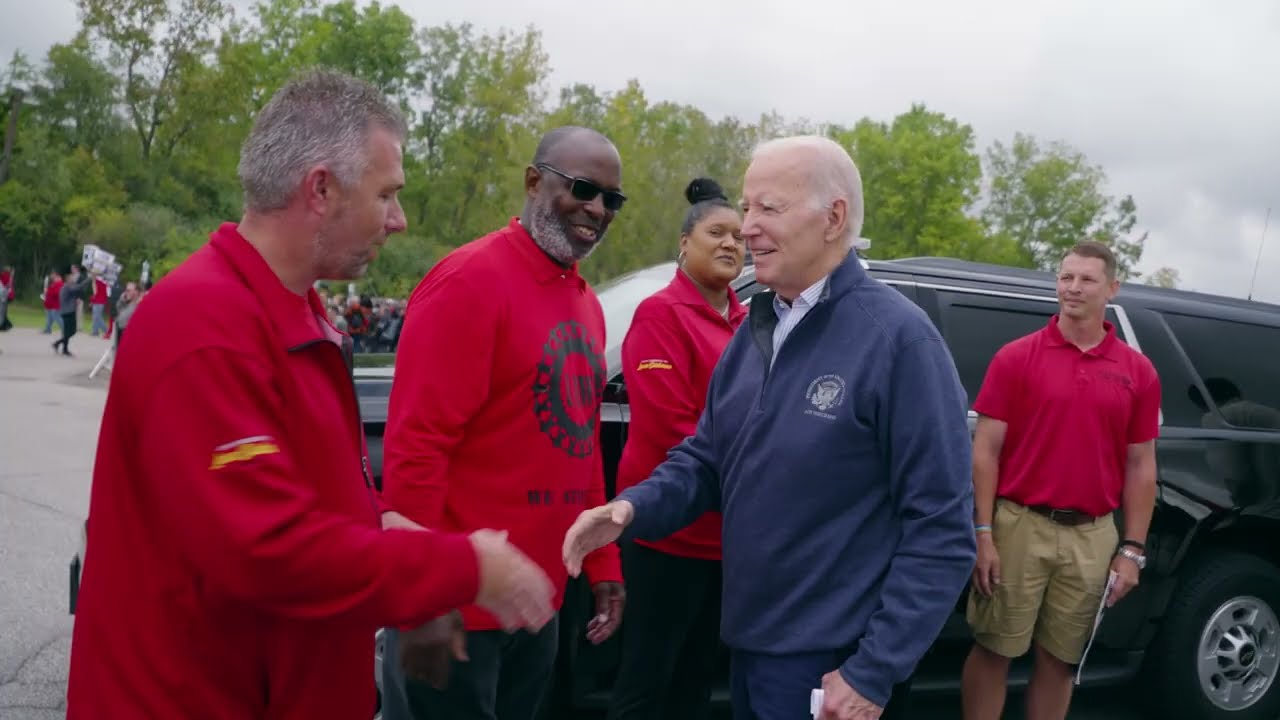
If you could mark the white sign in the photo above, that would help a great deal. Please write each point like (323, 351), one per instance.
(95, 259)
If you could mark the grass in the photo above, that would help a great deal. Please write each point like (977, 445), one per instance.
(26, 316)
(374, 360)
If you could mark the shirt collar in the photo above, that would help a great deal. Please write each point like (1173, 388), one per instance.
(684, 291)
(1104, 349)
(806, 299)
(543, 268)
(281, 305)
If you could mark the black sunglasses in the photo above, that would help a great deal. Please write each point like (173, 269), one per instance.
(586, 191)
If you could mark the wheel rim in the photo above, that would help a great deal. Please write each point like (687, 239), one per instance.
(1239, 653)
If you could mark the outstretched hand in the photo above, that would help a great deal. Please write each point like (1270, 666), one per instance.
(594, 529)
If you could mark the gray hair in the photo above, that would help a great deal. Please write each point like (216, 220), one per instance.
(832, 174)
(320, 117)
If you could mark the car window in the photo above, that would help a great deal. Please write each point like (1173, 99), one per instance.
(620, 298)
(1236, 362)
(976, 325)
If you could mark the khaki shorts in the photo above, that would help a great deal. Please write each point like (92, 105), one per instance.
(1051, 582)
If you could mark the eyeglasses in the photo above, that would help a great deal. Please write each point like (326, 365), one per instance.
(586, 191)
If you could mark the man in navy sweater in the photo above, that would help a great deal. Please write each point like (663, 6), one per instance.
(835, 444)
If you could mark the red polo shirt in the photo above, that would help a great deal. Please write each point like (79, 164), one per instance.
(235, 565)
(1071, 417)
(672, 347)
(494, 415)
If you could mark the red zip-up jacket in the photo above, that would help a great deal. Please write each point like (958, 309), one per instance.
(235, 566)
(494, 414)
(670, 350)
(52, 297)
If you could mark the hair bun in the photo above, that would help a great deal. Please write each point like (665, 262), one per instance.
(703, 189)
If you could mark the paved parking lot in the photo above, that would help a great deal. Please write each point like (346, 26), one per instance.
(49, 417)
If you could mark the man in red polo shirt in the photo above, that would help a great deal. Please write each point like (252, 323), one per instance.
(238, 560)
(494, 414)
(1067, 421)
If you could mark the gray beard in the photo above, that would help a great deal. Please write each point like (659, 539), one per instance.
(551, 233)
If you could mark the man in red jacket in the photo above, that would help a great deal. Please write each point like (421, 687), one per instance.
(238, 560)
(494, 412)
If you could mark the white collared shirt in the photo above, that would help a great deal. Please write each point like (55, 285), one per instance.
(790, 315)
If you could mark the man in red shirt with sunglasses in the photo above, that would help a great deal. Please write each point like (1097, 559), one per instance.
(494, 415)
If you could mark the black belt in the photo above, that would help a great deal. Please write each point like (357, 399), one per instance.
(1070, 518)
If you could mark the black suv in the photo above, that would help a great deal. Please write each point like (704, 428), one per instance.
(1200, 635)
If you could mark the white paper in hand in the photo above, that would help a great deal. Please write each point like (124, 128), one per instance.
(815, 702)
(1097, 621)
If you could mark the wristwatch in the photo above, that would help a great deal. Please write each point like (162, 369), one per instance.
(1137, 558)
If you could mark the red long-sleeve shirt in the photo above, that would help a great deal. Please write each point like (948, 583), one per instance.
(674, 342)
(235, 564)
(493, 420)
(52, 297)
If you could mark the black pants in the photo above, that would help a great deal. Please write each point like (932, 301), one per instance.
(68, 329)
(670, 636)
(506, 678)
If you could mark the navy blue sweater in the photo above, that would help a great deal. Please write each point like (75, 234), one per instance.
(843, 474)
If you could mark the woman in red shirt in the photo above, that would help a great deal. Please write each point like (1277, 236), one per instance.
(671, 635)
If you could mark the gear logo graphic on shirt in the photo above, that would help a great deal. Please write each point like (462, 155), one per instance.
(568, 388)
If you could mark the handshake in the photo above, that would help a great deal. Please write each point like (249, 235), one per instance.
(514, 589)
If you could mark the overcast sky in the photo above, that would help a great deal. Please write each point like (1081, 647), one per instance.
(1179, 100)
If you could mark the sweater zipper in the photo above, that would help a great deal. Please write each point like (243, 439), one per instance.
(349, 362)
(768, 371)
(348, 357)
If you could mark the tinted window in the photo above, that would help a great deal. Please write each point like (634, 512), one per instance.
(976, 326)
(1175, 375)
(1237, 362)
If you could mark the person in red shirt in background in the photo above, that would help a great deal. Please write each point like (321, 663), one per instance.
(1067, 422)
(672, 637)
(494, 415)
(238, 560)
(98, 303)
(52, 303)
(6, 296)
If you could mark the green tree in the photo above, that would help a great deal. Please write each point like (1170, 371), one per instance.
(920, 175)
(154, 44)
(77, 97)
(1165, 277)
(1047, 198)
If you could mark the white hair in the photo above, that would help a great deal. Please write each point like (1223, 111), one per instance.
(321, 117)
(832, 174)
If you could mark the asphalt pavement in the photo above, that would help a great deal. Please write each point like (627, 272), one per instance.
(49, 416)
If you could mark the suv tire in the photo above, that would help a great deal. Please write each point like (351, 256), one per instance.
(1218, 650)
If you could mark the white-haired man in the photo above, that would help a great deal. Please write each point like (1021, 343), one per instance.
(835, 444)
(238, 560)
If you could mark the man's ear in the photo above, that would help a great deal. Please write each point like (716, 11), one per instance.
(837, 219)
(531, 179)
(319, 190)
